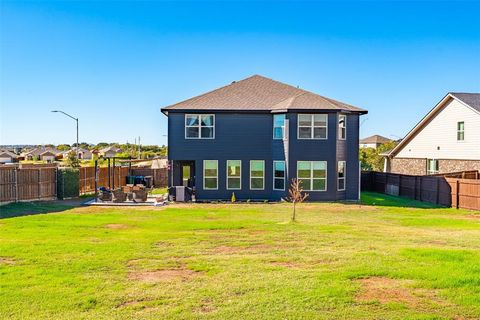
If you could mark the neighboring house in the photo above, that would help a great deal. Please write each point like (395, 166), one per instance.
(7, 156)
(253, 136)
(45, 154)
(447, 139)
(82, 154)
(109, 152)
(373, 141)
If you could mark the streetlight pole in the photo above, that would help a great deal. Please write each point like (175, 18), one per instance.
(76, 119)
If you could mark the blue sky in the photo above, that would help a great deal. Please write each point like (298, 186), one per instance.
(114, 64)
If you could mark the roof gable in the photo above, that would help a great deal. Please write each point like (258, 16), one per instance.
(258, 93)
(471, 97)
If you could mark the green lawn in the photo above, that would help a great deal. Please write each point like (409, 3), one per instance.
(391, 260)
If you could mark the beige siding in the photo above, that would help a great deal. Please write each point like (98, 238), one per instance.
(441, 132)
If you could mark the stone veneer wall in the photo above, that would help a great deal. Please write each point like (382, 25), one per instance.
(415, 166)
(411, 166)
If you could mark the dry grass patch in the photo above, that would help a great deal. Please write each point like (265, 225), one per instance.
(387, 290)
(7, 261)
(206, 306)
(164, 275)
(256, 248)
(116, 226)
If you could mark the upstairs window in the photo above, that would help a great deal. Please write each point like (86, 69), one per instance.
(278, 175)
(342, 127)
(432, 166)
(257, 174)
(312, 126)
(460, 131)
(278, 126)
(341, 175)
(210, 174)
(234, 174)
(312, 175)
(199, 126)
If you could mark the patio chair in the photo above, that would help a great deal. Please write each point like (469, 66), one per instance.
(119, 196)
(139, 195)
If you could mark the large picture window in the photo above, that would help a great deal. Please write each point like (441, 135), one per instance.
(460, 131)
(342, 127)
(210, 174)
(312, 126)
(257, 174)
(312, 175)
(341, 175)
(199, 126)
(278, 175)
(234, 174)
(278, 126)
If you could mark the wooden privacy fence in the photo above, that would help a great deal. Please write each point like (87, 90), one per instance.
(21, 184)
(117, 177)
(442, 190)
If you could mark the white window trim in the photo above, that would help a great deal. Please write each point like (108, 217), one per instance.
(344, 126)
(199, 126)
(311, 174)
(344, 175)
(429, 172)
(250, 175)
(284, 175)
(240, 177)
(463, 131)
(204, 188)
(312, 126)
(283, 127)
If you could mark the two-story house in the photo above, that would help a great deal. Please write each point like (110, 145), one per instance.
(253, 136)
(446, 140)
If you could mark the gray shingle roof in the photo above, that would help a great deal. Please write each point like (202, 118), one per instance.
(375, 139)
(258, 93)
(472, 99)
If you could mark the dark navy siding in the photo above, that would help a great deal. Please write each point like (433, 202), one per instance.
(250, 137)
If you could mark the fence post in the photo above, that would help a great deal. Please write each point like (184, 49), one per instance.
(39, 186)
(457, 195)
(56, 181)
(16, 184)
(415, 189)
(438, 191)
(420, 195)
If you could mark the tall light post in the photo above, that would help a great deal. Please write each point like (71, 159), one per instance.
(76, 119)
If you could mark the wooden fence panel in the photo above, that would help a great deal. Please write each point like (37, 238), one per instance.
(442, 190)
(25, 184)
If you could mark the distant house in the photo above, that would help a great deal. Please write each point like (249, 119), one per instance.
(109, 152)
(447, 139)
(253, 136)
(44, 154)
(83, 154)
(373, 141)
(7, 156)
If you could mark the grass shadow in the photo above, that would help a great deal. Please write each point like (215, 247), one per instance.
(380, 199)
(19, 209)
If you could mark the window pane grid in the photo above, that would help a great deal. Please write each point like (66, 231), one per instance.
(279, 175)
(210, 174)
(312, 126)
(234, 177)
(342, 127)
(278, 126)
(257, 174)
(312, 175)
(199, 126)
(341, 175)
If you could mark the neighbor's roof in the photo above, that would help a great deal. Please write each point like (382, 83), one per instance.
(375, 139)
(471, 100)
(258, 93)
(8, 153)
